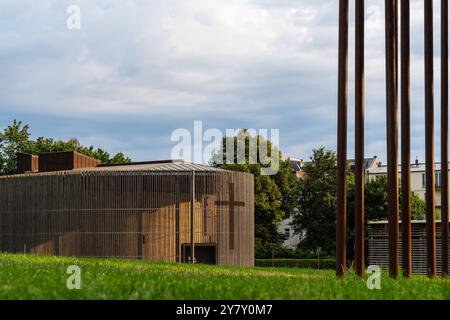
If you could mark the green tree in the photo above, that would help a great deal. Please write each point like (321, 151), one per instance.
(315, 219)
(16, 138)
(49, 145)
(419, 207)
(275, 195)
(13, 139)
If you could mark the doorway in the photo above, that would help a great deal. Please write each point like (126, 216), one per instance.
(204, 253)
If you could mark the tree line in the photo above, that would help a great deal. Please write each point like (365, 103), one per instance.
(310, 201)
(17, 138)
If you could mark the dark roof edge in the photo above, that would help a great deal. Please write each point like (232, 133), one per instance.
(103, 165)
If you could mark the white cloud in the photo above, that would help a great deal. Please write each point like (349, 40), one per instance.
(252, 63)
(152, 57)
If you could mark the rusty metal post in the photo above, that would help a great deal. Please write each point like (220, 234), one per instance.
(429, 140)
(341, 188)
(392, 131)
(444, 135)
(406, 138)
(359, 138)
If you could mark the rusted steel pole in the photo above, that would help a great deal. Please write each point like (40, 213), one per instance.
(444, 135)
(341, 189)
(396, 66)
(406, 138)
(392, 131)
(359, 138)
(429, 140)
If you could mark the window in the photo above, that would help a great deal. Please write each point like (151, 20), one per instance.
(437, 177)
(437, 180)
(287, 232)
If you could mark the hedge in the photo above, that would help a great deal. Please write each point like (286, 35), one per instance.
(296, 263)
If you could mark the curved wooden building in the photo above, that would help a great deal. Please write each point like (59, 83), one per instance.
(164, 211)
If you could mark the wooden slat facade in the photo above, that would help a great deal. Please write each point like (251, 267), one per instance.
(379, 246)
(126, 214)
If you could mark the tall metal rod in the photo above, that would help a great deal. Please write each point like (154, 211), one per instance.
(429, 140)
(359, 138)
(406, 138)
(444, 135)
(341, 189)
(392, 131)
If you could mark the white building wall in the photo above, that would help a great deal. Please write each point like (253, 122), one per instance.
(293, 239)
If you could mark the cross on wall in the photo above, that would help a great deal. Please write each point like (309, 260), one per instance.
(231, 203)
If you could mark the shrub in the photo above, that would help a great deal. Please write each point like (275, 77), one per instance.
(297, 263)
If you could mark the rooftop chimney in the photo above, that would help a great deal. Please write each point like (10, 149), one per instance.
(54, 161)
(58, 161)
(27, 163)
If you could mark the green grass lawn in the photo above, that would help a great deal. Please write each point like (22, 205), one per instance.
(33, 277)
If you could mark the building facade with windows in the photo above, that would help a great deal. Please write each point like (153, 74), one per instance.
(418, 178)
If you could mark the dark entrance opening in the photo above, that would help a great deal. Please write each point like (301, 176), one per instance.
(204, 253)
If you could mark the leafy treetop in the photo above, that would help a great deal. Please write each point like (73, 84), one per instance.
(16, 138)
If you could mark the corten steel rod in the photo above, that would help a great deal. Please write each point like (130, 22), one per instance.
(359, 138)
(396, 16)
(406, 138)
(341, 189)
(429, 140)
(444, 135)
(392, 131)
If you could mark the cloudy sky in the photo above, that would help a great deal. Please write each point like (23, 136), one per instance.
(138, 69)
